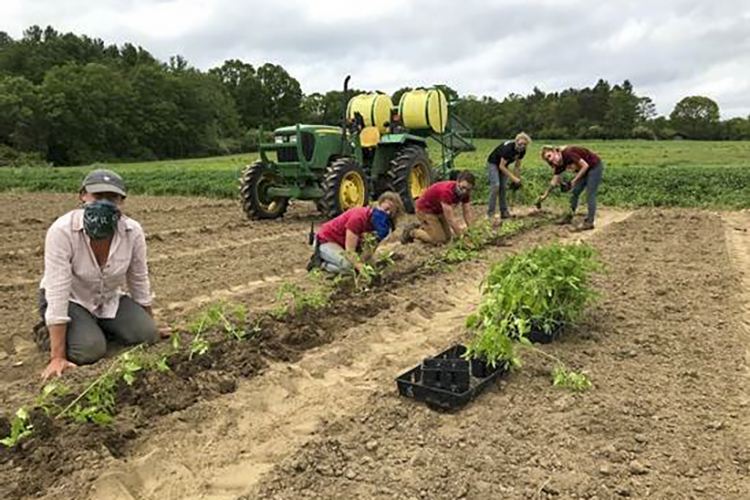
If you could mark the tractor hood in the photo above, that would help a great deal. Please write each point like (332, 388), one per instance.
(315, 129)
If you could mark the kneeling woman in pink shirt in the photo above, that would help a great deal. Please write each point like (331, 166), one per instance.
(91, 255)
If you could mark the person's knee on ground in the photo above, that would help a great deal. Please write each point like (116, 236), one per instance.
(88, 352)
(336, 267)
(132, 324)
(85, 342)
(334, 258)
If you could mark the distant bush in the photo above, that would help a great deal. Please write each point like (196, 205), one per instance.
(9, 157)
(594, 132)
(554, 133)
(641, 132)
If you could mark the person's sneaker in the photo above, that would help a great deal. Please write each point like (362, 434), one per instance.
(506, 215)
(407, 235)
(586, 226)
(566, 219)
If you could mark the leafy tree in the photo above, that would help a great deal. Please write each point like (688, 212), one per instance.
(622, 110)
(23, 123)
(242, 83)
(696, 117)
(282, 96)
(645, 110)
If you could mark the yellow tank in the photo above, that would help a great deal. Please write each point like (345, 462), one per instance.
(374, 108)
(421, 109)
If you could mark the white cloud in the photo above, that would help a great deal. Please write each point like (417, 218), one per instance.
(667, 49)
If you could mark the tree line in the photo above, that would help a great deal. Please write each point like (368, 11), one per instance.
(70, 99)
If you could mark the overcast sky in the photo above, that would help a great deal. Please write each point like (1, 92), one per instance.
(668, 49)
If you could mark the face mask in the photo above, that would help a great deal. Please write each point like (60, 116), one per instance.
(520, 148)
(382, 223)
(100, 219)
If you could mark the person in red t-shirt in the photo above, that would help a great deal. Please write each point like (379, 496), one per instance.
(338, 242)
(588, 168)
(436, 211)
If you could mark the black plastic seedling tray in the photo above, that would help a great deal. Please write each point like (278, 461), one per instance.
(539, 336)
(447, 381)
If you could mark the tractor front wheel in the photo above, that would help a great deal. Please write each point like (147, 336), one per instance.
(345, 186)
(410, 175)
(256, 202)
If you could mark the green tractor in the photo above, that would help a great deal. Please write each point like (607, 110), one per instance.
(378, 148)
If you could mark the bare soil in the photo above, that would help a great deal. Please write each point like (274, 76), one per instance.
(308, 408)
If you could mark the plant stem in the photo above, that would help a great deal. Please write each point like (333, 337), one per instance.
(539, 351)
(97, 381)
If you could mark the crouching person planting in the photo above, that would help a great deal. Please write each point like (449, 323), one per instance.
(338, 243)
(91, 255)
(436, 211)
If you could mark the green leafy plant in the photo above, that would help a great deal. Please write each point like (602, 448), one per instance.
(175, 340)
(297, 299)
(198, 346)
(51, 393)
(230, 318)
(541, 289)
(574, 381)
(99, 396)
(20, 428)
(467, 245)
(130, 365)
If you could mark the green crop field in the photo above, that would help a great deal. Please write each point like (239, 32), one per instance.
(638, 173)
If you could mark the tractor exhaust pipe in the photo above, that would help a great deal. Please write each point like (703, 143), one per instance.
(344, 125)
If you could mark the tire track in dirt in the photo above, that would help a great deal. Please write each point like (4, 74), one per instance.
(269, 418)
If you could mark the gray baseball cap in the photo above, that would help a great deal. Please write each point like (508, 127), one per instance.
(104, 181)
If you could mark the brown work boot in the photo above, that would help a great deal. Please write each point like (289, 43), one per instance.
(566, 219)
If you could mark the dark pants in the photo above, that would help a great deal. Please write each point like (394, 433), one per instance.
(498, 186)
(86, 335)
(590, 183)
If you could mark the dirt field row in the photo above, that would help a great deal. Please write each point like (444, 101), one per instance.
(197, 254)
(310, 410)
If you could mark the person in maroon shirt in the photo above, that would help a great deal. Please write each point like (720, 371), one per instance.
(436, 211)
(588, 168)
(337, 246)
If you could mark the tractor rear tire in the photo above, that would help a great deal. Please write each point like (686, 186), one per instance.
(345, 186)
(256, 179)
(410, 174)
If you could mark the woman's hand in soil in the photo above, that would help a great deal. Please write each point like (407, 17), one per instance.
(56, 367)
(165, 332)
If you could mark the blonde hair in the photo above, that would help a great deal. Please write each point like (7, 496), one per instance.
(524, 136)
(398, 203)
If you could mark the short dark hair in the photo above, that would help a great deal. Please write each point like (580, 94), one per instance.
(467, 176)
